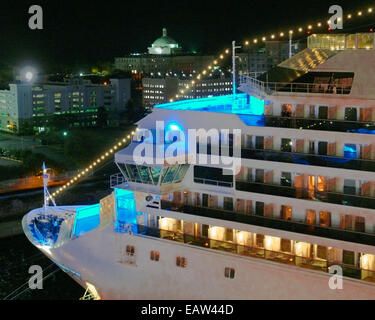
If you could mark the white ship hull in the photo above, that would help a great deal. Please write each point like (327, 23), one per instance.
(96, 256)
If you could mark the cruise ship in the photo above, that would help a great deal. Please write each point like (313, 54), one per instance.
(272, 199)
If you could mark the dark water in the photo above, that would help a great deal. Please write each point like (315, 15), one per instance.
(17, 254)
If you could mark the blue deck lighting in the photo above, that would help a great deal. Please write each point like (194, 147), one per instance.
(87, 218)
(242, 104)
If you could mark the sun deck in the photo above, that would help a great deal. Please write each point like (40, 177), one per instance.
(240, 104)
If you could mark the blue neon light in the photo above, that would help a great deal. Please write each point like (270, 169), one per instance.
(87, 219)
(174, 127)
(350, 151)
(126, 212)
(243, 104)
(257, 106)
(172, 132)
(126, 209)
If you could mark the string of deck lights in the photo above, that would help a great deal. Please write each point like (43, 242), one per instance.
(94, 164)
(280, 35)
(214, 63)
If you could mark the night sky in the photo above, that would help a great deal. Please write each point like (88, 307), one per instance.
(83, 32)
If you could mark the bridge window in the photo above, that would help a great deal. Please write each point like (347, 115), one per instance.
(151, 175)
(212, 176)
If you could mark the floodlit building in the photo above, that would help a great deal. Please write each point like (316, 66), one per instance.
(165, 55)
(161, 90)
(34, 104)
(164, 45)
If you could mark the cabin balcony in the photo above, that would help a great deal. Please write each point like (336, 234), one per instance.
(272, 223)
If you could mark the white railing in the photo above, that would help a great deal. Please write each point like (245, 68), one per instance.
(116, 180)
(270, 88)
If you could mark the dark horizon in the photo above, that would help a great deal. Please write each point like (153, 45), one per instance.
(82, 33)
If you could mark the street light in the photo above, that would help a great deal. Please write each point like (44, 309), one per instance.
(28, 74)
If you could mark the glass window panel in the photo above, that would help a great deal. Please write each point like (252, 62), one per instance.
(133, 172)
(286, 179)
(124, 171)
(145, 176)
(155, 174)
(365, 41)
(181, 173)
(350, 41)
(170, 175)
(321, 252)
(348, 257)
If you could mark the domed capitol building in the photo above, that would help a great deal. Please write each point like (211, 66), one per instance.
(165, 45)
(164, 55)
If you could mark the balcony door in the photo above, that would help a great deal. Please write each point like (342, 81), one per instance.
(323, 112)
(311, 217)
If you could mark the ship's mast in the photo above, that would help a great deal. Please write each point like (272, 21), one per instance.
(234, 66)
(290, 44)
(47, 195)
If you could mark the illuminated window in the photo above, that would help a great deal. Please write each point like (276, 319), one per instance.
(129, 256)
(155, 255)
(321, 252)
(259, 241)
(286, 213)
(181, 262)
(325, 219)
(130, 251)
(286, 245)
(286, 110)
(229, 273)
(321, 185)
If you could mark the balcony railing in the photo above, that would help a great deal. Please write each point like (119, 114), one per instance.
(309, 159)
(271, 88)
(256, 252)
(365, 127)
(302, 193)
(214, 182)
(299, 158)
(273, 223)
(116, 180)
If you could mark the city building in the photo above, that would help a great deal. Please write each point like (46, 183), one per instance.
(263, 57)
(160, 90)
(164, 45)
(164, 56)
(26, 104)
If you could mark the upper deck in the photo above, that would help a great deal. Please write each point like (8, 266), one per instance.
(333, 68)
(240, 104)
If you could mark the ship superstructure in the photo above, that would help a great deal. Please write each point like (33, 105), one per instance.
(275, 191)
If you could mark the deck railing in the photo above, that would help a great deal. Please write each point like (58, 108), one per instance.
(270, 88)
(116, 180)
(307, 194)
(272, 223)
(257, 252)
